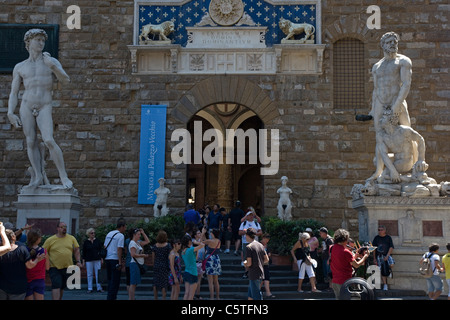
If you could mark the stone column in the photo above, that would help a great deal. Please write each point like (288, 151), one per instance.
(225, 186)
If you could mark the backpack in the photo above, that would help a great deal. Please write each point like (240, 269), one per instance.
(425, 269)
(256, 223)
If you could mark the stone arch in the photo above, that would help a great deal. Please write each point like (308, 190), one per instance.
(352, 26)
(233, 89)
(349, 26)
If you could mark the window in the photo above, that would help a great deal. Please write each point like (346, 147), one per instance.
(349, 74)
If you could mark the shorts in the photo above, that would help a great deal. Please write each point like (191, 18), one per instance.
(135, 274)
(434, 283)
(304, 268)
(254, 289)
(227, 235)
(58, 277)
(266, 273)
(235, 235)
(189, 278)
(36, 285)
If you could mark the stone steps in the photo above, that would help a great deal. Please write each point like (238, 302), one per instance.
(283, 284)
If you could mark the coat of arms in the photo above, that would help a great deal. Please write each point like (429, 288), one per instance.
(226, 12)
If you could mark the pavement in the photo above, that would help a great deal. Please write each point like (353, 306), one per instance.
(82, 294)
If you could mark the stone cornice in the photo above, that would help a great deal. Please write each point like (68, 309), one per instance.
(372, 201)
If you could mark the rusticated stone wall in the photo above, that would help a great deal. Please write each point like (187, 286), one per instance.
(324, 151)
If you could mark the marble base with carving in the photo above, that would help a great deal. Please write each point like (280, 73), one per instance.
(46, 205)
(155, 42)
(413, 223)
(301, 41)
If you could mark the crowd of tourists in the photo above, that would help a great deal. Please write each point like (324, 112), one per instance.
(186, 261)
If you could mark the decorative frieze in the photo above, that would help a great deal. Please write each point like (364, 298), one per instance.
(285, 58)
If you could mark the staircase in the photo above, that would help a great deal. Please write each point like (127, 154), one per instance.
(283, 283)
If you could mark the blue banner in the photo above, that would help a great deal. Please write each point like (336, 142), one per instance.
(152, 151)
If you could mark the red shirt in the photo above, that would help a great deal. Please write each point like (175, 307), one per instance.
(341, 259)
(38, 272)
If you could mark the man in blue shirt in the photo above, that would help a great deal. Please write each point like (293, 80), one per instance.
(215, 218)
(191, 215)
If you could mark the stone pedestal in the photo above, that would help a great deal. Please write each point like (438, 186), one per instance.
(413, 224)
(46, 205)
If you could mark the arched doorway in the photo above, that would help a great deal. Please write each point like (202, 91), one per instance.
(255, 99)
(237, 175)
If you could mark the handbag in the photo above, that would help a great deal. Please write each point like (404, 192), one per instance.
(206, 259)
(142, 269)
(103, 251)
(308, 261)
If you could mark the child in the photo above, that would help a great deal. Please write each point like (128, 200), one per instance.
(190, 276)
(36, 275)
(175, 277)
(264, 240)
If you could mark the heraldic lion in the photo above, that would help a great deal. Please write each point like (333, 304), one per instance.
(292, 29)
(162, 30)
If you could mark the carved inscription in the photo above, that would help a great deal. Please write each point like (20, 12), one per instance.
(222, 38)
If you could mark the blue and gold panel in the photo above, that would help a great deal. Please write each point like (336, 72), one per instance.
(227, 14)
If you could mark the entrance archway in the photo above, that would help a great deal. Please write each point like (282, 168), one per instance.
(258, 105)
(224, 183)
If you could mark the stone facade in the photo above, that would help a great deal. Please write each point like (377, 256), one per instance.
(323, 150)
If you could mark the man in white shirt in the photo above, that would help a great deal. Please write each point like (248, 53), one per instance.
(249, 222)
(114, 243)
(434, 284)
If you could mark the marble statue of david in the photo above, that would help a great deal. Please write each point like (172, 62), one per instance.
(35, 111)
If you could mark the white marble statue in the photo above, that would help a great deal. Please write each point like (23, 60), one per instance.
(284, 203)
(392, 82)
(160, 208)
(35, 112)
(161, 30)
(399, 140)
(400, 150)
(291, 29)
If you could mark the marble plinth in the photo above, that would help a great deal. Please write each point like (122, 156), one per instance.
(413, 224)
(46, 205)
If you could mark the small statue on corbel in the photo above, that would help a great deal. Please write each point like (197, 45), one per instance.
(161, 30)
(284, 203)
(291, 29)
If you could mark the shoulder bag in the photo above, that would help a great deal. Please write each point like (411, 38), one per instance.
(206, 259)
(103, 251)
